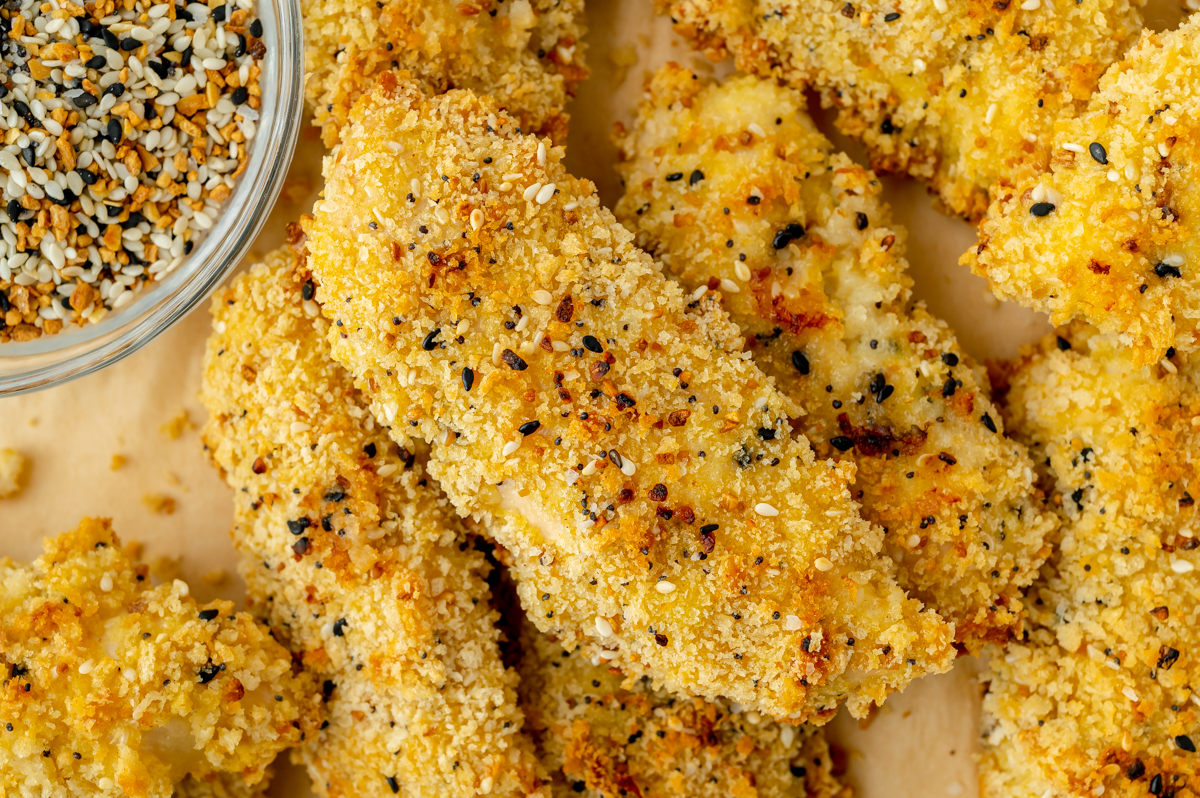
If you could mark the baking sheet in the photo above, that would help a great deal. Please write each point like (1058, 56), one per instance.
(145, 411)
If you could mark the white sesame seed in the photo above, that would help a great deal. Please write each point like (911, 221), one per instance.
(729, 286)
(1031, 5)
(545, 194)
(180, 587)
(106, 583)
(510, 447)
(762, 508)
(603, 627)
(531, 192)
(476, 219)
(627, 467)
(941, 6)
(542, 297)
(757, 130)
(1129, 693)
(990, 115)
(1039, 193)
(741, 270)
(787, 735)
(541, 153)
(130, 674)
(1113, 176)
(86, 667)
(665, 587)
(792, 623)
(823, 564)
(1073, 147)
(590, 468)
(1182, 567)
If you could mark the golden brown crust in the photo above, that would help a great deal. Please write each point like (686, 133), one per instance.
(446, 242)
(604, 736)
(1115, 243)
(357, 559)
(528, 54)
(1101, 697)
(732, 187)
(113, 687)
(955, 92)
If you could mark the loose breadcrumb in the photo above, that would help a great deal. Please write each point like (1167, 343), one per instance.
(1107, 233)
(956, 92)
(179, 424)
(159, 503)
(112, 687)
(14, 471)
(1102, 696)
(359, 561)
(604, 736)
(528, 54)
(740, 197)
(485, 301)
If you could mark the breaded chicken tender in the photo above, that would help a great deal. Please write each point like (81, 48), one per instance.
(956, 92)
(528, 54)
(112, 687)
(1108, 233)
(1102, 696)
(602, 737)
(358, 559)
(734, 190)
(639, 470)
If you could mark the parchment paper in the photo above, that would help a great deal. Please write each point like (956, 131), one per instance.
(922, 743)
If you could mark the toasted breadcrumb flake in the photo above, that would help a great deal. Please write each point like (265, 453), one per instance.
(1110, 237)
(1102, 695)
(826, 308)
(626, 484)
(958, 93)
(113, 687)
(14, 470)
(358, 560)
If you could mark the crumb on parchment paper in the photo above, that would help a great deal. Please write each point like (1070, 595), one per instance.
(159, 503)
(178, 425)
(118, 460)
(14, 469)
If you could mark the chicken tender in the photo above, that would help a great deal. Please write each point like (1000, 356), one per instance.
(1102, 696)
(1107, 233)
(958, 93)
(638, 469)
(115, 688)
(357, 559)
(739, 196)
(602, 737)
(528, 54)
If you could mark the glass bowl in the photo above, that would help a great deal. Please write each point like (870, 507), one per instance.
(76, 351)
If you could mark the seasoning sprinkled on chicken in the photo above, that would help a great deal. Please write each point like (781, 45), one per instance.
(1101, 696)
(1107, 233)
(814, 274)
(358, 559)
(113, 687)
(723, 555)
(956, 92)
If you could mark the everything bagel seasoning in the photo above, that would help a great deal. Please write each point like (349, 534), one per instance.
(125, 125)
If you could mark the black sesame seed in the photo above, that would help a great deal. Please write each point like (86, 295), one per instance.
(113, 132)
(1167, 270)
(861, 221)
(1185, 743)
(256, 29)
(987, 422)
(841, 443)
(110, 38)
(800, 362)
(766, 433)
(695, 177)
(130, 44)
(339, 627)
(208, 615)
(950, 359)
(391, 782)
(1156, 784)
(787, 235)
(208, 673)
(1063, 344)
(671, 178)
(1096, 149)
(369, 450)
(592, 344)
(529, 427)
(115, 90)
(890, 17)
(468, 378)
(218, 13)
(240, 95)
(431, 339)
(1041, 208)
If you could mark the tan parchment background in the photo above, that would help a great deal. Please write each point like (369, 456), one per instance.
(922, 743)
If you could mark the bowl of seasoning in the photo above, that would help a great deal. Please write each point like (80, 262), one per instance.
(144, 143)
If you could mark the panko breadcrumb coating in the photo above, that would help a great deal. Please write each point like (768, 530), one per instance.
(956, 92)
(605, 738)
(1103, 694)
(14, 467)
(357, 558)
(528, 54)
(638, 469)
(1108, 234)
(222, 785)
(112, 687)
(733, 189)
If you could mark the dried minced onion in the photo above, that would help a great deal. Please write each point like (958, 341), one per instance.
(124, 127)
